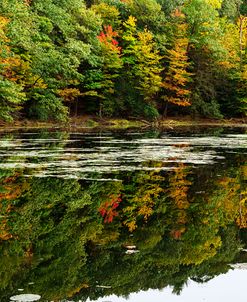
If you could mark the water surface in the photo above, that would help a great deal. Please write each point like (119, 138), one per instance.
(106, 216)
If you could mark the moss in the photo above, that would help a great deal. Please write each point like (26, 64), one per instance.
(86, 122)
(91, 123)
(124, 124)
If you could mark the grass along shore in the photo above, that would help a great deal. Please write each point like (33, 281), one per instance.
(94, 122)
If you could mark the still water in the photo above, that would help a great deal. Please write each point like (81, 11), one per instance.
(111, 216)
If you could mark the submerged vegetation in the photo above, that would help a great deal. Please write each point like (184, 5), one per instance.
(122, 58)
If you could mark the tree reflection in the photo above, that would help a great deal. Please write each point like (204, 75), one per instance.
(67, 238)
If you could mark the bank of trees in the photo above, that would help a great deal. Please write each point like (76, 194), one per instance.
(122, 58)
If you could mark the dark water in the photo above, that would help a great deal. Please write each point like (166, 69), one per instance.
(84, 216)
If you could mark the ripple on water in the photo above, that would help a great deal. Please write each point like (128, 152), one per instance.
(87, 154)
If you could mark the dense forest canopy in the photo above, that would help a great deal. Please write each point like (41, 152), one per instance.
(143, 58)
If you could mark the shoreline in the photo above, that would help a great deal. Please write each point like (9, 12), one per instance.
(94, 122)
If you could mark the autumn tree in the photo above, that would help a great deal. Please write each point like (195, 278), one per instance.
(111, 64)
(11, 89)
(55, 61)
(142, 68)
(177, 76)
(148, 14)
(109, 14)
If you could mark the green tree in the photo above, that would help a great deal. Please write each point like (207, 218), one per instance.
(112, 63)
(11, 64)
(142, 68)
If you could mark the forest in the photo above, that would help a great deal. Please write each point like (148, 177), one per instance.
(122, 58)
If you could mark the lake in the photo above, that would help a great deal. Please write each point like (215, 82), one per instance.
(116, 216)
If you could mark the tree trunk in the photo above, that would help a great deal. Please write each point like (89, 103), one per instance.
(165, 110)
(76, 107)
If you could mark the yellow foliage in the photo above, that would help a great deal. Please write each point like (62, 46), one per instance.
(69, 94)
(27, 2)
(202, 252)
(242, 217)
(4, 234)
(131, 22)
(108, 13)
(3, 22)
(141, 205)
(12, 67)
(35, 81)
(244, 172)
(214, 3)
(177, 77)
(179, 187)
(131, 225)
(244, 73)
(234, 199)
(230, 42)
(77, 290)
(178, 192)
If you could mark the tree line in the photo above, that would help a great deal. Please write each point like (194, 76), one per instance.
(131, 58)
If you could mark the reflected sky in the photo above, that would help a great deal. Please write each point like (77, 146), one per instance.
(228, 287)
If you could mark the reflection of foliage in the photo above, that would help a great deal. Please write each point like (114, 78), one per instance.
(108, 196)
(142, 195)
(108, 208)
(52, 221)
(242, 217)
(10, 189)
(57, 232)
(178, 192)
